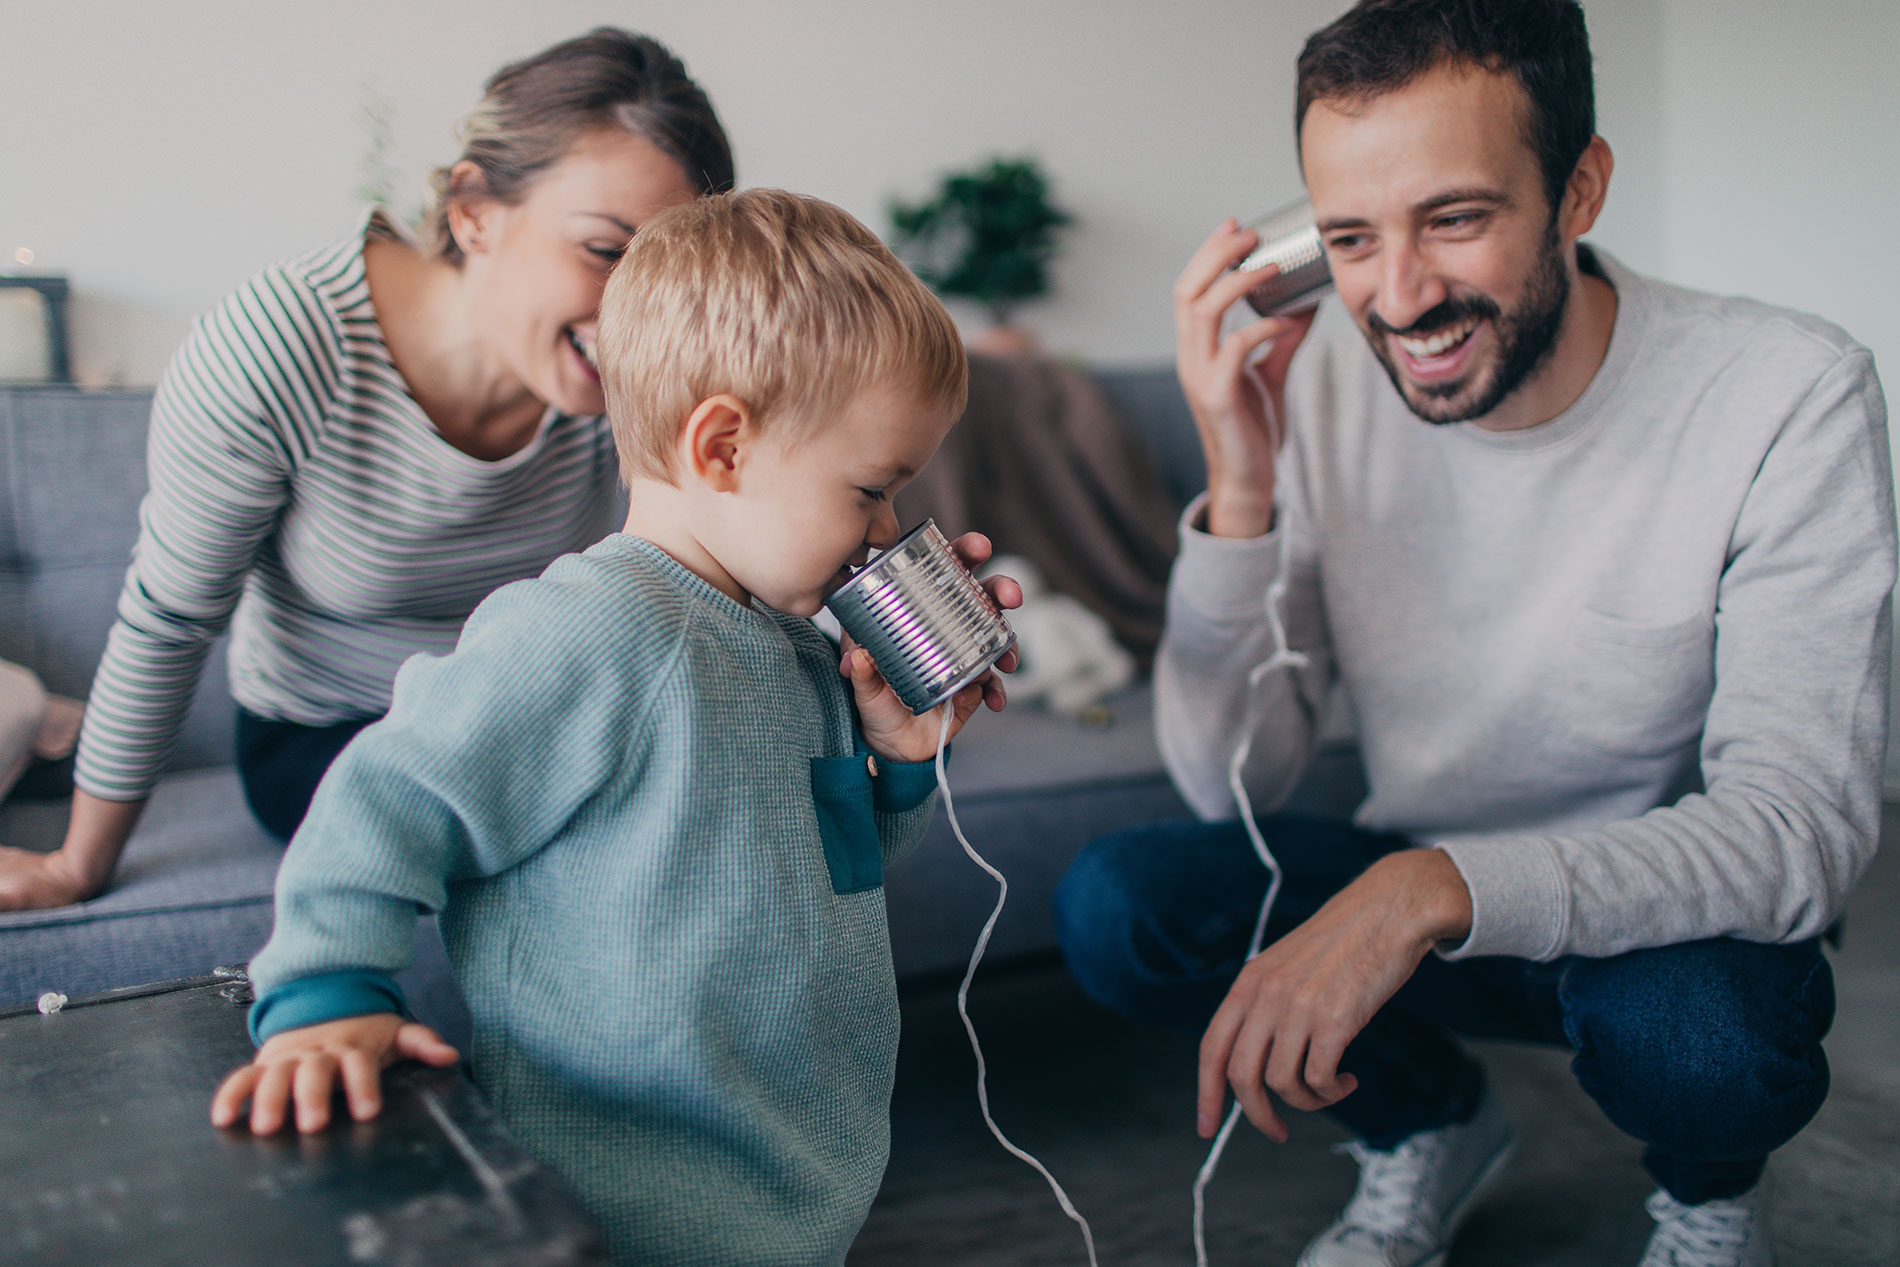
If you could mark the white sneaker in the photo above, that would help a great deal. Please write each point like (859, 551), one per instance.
(1727, 1233)
(1411, 1201)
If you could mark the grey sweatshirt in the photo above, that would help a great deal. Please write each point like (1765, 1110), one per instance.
(1628, 668)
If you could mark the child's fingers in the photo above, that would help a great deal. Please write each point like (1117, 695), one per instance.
(974, 549)
(269, 1097)
(1004, 591)
(872, 691)
(228, 1103)
(362, 1084)
(313, 1088)
(419, 1042)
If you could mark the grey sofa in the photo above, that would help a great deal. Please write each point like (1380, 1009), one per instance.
(194, 888)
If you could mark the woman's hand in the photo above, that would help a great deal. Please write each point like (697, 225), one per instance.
(95, 835)
(301, 1068)
(1237, 398)
(30, 880)
(890, 728)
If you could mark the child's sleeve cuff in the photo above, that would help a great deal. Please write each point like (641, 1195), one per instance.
(904, 785)
(328, 996)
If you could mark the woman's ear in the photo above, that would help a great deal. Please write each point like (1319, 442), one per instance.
(471, 210)
(714, 441)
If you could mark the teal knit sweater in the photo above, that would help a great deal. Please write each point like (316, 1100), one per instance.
(648, 823)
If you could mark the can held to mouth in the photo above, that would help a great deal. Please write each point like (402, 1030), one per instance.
(931, 628)
(1289, 238)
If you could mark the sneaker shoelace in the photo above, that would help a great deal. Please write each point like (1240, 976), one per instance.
(1390, 1199)
(1707, 1235)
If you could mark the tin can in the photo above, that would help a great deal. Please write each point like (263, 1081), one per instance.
(931, 628)
(1289, 238)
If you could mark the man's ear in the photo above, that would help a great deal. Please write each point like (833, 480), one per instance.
(1589, 186)
(714, 441)
(471, 210)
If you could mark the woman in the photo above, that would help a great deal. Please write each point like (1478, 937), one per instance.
(361, 444)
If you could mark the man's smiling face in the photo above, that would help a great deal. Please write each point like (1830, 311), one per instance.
(1442, 242)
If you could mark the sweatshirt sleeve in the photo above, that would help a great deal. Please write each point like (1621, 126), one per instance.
(237, 404)
(1795, 735)
(1208, 695)
(485, 755)
(903, 801)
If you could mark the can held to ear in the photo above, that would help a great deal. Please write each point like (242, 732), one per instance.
(1289, 238)
(930, 626)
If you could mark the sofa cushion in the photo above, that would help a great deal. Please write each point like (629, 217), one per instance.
(72, 474)
(192, 892)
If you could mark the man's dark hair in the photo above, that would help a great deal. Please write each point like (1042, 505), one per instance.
(1380, 46)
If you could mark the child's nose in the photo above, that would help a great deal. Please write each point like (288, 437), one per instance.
(884, 531)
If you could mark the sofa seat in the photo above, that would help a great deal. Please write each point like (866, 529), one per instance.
(192, 892)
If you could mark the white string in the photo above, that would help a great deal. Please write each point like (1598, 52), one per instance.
(963, 994)
(1283, 657)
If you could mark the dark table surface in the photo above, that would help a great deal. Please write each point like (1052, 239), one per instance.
(107, 1154)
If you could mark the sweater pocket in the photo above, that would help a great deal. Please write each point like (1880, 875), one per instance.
(841, 797)
(1639, 689)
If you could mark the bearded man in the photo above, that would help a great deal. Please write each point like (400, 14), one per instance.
(1602, 568)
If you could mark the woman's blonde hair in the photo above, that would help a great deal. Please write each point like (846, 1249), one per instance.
(534, 110)
(784, 301)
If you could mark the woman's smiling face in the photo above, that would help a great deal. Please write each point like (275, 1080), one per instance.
(535, 268)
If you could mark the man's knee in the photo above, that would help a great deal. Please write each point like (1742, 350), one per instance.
(1147, 924)
(1093, 913)
(1710, 1049)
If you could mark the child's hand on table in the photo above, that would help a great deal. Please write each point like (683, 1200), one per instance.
(302, 1067)
(890, 728)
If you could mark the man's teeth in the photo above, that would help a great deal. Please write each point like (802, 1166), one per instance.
(1445, 340)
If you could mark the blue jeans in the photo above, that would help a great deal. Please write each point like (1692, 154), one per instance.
(1709, 1052)
(280, 764)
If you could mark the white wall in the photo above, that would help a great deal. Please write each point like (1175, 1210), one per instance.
(160, 153)
(1781, 166)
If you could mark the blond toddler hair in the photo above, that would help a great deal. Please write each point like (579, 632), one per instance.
(786, 302)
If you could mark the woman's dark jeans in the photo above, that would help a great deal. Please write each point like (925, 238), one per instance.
(1709, 1051)
(281, 763)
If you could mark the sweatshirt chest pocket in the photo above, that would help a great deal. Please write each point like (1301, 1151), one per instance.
(841, 797)
(1636, 689)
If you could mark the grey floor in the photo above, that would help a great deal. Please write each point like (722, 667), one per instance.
(1108, 1106)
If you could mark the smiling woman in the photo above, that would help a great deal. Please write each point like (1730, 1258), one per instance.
(362, 443)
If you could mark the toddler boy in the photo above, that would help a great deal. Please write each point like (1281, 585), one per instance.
(653, 817)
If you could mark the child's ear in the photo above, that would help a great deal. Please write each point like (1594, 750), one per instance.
(711, 441)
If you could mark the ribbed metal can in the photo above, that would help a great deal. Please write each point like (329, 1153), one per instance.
(930, 626)
(1289, 238)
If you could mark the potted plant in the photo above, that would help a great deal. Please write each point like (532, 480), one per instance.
(987, 235)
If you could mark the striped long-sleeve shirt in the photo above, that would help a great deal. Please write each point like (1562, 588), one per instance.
(300, 496)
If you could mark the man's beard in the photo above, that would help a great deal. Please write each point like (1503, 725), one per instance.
(1526, 339)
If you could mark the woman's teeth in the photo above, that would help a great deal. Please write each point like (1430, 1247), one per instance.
(585, 349)
(1438, 344)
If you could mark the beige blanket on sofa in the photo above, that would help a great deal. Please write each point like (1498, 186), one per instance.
(1043, 466)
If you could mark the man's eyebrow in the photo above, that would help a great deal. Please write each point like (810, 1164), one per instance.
(615, 221)
(1475, 193)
